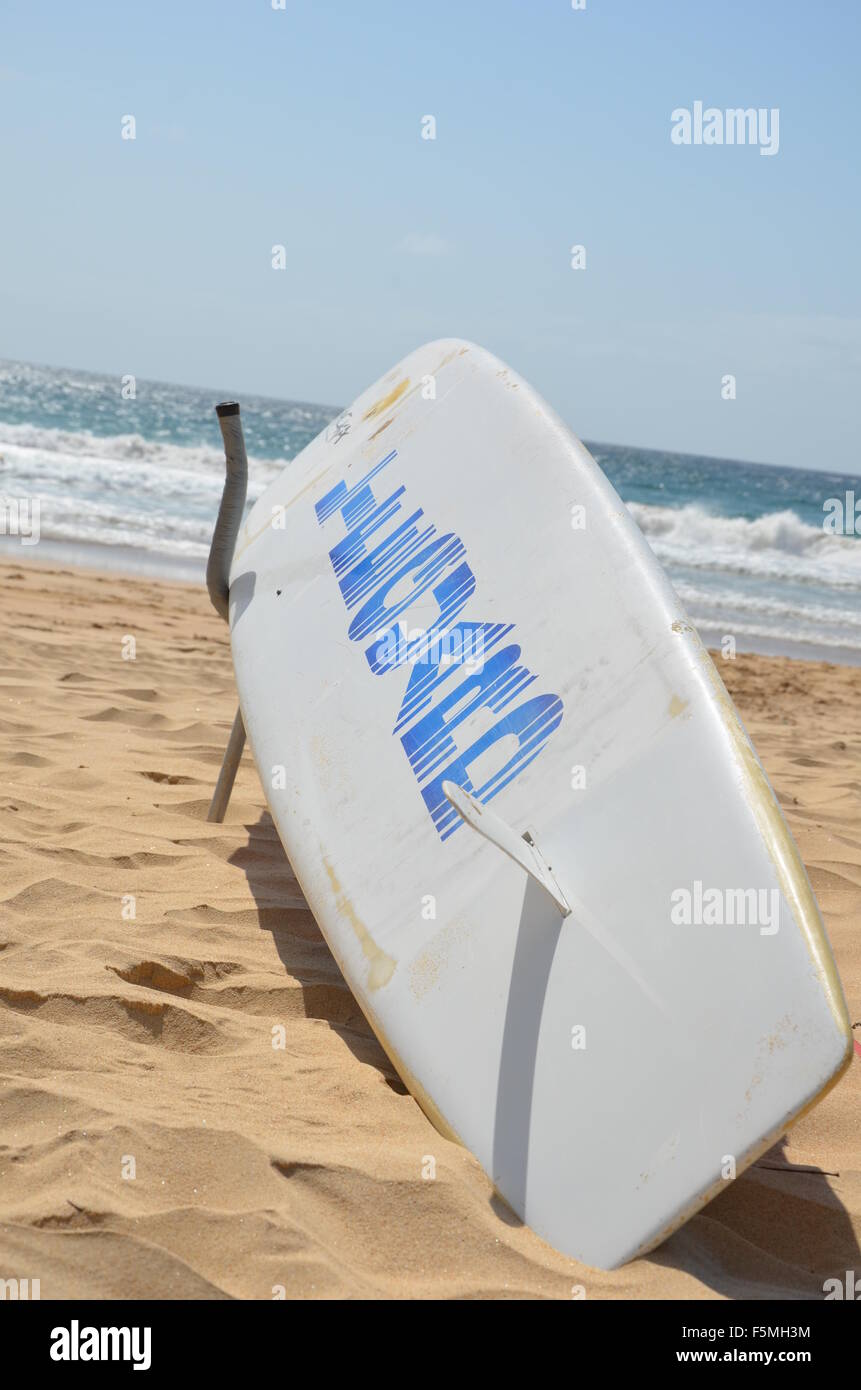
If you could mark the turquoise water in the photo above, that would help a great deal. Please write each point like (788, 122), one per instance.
(136, 484)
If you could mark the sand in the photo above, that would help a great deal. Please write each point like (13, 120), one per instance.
(155, 1144)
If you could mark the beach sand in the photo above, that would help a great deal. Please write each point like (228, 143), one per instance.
(144, 1043)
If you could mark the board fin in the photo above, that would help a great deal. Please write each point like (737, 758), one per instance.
(521, 848)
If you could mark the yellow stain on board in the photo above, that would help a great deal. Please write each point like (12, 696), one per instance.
(384, 404)
(382, 966)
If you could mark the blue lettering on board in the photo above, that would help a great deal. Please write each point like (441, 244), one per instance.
(446, 685)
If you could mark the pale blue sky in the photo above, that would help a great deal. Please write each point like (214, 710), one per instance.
(302, 127)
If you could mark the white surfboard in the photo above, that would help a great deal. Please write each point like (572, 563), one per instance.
(523, 809)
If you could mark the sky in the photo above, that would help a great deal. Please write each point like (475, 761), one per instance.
(257, 127)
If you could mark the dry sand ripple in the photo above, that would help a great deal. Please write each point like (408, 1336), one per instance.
(147, 1041)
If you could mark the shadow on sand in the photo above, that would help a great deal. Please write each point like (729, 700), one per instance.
(284, 913)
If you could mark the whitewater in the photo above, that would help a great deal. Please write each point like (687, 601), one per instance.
(135, 484)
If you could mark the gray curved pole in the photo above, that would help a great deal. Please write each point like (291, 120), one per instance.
(227, 526)
(232, 506)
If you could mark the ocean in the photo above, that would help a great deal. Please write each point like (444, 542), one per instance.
(134, 486)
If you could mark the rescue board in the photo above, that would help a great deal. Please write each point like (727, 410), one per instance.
(524, 811)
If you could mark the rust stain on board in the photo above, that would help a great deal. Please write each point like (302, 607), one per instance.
(383, 426)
